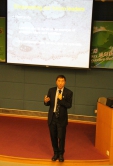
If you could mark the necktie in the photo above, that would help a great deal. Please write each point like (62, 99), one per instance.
(57, 107)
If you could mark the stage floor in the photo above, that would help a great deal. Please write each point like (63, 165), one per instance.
(27, 140)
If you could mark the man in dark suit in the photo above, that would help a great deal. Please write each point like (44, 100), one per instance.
(59, 99)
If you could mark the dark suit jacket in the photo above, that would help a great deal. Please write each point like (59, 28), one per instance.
(65, 103)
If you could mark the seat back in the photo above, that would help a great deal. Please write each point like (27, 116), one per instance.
(102, 100)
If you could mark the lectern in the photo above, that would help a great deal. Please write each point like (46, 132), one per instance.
(104, 131)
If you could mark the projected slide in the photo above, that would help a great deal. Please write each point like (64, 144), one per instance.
(49, 32)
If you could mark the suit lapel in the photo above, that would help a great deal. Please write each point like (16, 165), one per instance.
(54, 93)
(64, 92)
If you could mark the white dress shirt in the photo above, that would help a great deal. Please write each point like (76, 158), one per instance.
(57, 92)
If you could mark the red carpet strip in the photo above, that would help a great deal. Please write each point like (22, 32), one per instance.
(29, 138)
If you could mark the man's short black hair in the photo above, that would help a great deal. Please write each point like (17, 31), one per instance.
(60, 76)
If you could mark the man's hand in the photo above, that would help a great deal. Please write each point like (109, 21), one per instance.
(46, 99)
(59, 96)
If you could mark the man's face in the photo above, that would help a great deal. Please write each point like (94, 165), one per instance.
(60, 82)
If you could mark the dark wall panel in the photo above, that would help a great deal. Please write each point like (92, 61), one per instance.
(24, 87)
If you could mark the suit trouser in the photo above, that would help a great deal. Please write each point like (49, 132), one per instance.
(58, 134)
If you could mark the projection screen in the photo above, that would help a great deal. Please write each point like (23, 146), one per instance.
(49, 32)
